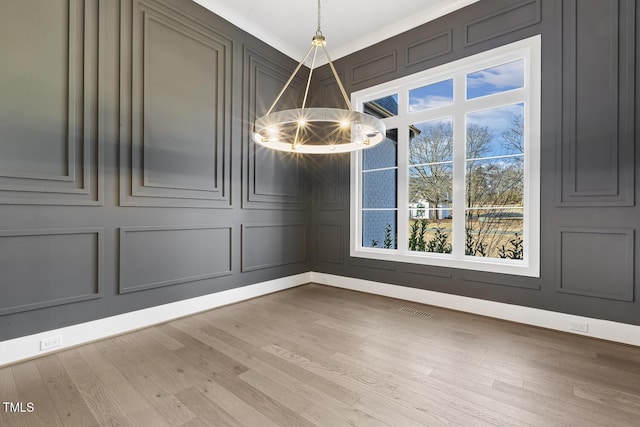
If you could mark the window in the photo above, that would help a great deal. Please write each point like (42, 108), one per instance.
(456, 181)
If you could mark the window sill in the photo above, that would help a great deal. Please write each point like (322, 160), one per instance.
(490, 265)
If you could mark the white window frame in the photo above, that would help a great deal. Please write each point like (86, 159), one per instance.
(527, 49)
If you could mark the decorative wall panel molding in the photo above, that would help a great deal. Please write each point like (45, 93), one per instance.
(272, 179)
(429, 48)
(515, 17)
(503, 280)
(375, 264)
(175, 110)
(50, 152)
(48, 267)
(330, 95)
(328, 169)
(331, 170)
(598, 80)
(374, 67)
(596, 262)
(152, 257)
(272, 245)
(429, 271)
(329, 243)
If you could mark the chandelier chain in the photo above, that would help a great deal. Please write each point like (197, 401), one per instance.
(318, 32)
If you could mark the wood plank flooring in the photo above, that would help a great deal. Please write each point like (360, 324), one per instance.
(316, 355)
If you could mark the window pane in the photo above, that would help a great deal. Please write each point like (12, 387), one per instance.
(495, 182)
(431, 142)
(384, 154)
(495, 132)
(430, 229)
(382, 107)
(494, 233)
(431, 186)
(495, 79)
(379, 189)
(379, 229)
(459, 131)
(431, 96)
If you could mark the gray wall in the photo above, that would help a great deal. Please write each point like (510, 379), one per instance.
(127, 174)
(128, 178)
(589, 218)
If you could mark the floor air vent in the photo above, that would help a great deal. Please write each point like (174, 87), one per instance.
(416, 312)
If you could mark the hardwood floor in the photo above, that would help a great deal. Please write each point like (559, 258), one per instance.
(316, 355)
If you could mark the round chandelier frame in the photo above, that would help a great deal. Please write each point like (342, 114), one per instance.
(317, 130)
(283, 130)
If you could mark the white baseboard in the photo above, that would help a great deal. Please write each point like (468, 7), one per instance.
(15, 350)
(22, 348)
(597, 328)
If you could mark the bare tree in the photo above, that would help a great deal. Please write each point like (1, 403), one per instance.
(478, 139)
(431, 151)
(491, 186)
(513, 136)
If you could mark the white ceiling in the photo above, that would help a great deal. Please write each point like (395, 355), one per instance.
(348, 25)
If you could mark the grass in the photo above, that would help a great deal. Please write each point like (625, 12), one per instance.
(495, 234)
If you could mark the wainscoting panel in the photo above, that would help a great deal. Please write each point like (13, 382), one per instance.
(272, 179)
(47, 267)
(152, 257)
(374, 67)
(330, 243)
(329, 93)
(272, 245)
(375, 264)
(512, 18)
(331, 173)
(50, 153)
(176, 151)
(429, 271)
(429, 48)
(596, 262)
(502, 280)
(598, 103)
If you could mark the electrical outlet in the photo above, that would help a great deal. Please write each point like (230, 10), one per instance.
(49, 343)
(579, 327)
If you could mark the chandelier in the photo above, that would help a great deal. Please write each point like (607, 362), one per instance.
(317, 130)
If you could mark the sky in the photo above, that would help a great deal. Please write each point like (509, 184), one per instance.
(480, 83)
(496, 79)
(434, 95)
(497, 120)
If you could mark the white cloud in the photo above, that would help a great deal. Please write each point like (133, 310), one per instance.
(431, 101)
(496, 119)
(500, 77)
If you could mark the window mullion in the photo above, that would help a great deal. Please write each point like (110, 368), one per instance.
(496, 100)
(403, 171)
(459, 135)
(356, 200)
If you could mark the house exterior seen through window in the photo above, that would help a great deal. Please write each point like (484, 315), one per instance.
(456, 181)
